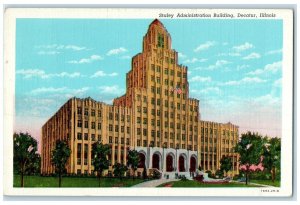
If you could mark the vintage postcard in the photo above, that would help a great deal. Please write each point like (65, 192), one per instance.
(149, 102)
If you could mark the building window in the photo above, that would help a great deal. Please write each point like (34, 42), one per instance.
(144, 143)
(116, 140)
(122, 140)
(127, 141)
(166, 92)
(128, 130)
(110, 127)
(86, 124)
(153, 112)
(128, 118)
(183, 146)
(158, 90)
(152, 101)
(158, 134)
(145, 121)
(79, 110)
(99, 113)
(158, 101)
(152, 122)
(152, 67)
(110, 116)
(138, 131)
(86, 136)
(166, 114)
(79, 123)
(122, 129)
(145, 132)
(152, 133)
(158, 123)
(172, 72)
(138, 143)
(93, 137)
(93, 113)
(152, 89)
(110, 139)
(183, 136)
(166, 71)
(99, 126)
(99, 138)
(93, 125)
(158, 113)
(138, 120)
(145, 110)
(139, 108)
(86, 111)
(116, 128)
(178, 106)
(158, 80)
(79, 154)
(79, 136)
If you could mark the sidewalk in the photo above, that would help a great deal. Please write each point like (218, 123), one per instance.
(154, 183)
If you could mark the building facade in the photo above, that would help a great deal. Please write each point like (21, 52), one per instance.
(155, 116)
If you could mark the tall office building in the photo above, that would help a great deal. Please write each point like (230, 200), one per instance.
(155, 116)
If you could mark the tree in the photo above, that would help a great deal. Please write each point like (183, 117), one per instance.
(250, 149)
(133, 160)
(272, 156)
(34, 165)
(25, 149)
(226, 164)
(99, 158)
(119, 170)
(59, 158)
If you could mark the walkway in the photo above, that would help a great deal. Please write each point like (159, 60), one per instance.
(154, 183)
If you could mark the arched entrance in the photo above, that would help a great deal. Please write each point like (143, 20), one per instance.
(155, 161)
(142, 160)
(193, 164)
(181, 164)
(170, 163)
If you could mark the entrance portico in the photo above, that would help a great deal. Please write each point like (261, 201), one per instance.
(169, 160)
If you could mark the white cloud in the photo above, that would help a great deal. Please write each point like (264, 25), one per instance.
(225, 43)
(110, 89)
(48, 90)
(90, 59)
(205, 46)
(30, 73)
(101, 73)
(207, 90)
(218, 64)
(278, 83)
(62, 47)
(125, 57)
(242, 67)
(116, 51)
(48, 52)
(278, 51)
(269, 68)
(181, 55)
(252, 56)
(200, 79)
(194, 60)
(243, 47)
(246, 80)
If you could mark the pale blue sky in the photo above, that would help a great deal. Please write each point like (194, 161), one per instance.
(234, 66)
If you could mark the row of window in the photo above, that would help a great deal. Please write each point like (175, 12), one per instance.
(110, 140)
(86, 124)
(86, 136)
(86, 112)
(110, 128)
(167, 71)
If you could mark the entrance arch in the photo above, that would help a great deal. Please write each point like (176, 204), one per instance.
(170, 167)
(192, 164)
(142, 160)
(181, 162)
(155, 161)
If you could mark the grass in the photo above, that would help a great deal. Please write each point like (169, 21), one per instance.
(266, 182)
(39, 181)
(188, 183)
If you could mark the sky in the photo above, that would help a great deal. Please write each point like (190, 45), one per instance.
(234, 66)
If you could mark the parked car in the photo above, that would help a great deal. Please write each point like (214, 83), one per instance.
(227, 179)
(243, 179)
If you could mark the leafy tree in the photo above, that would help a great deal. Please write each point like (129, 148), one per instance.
(250, 149)
(226, 164)
(34, 165)
(133, 160)
(272, 156)
(119, 170)
(219, 173)
(25, 150)
(99, 158)
(59, 158)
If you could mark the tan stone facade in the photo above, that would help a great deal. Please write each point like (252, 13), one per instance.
(155, 113)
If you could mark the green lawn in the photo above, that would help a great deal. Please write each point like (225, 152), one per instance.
(189, 183)
(266, 182)
(38, 181)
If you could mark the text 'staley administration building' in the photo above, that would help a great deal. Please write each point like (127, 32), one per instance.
(155, 116)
